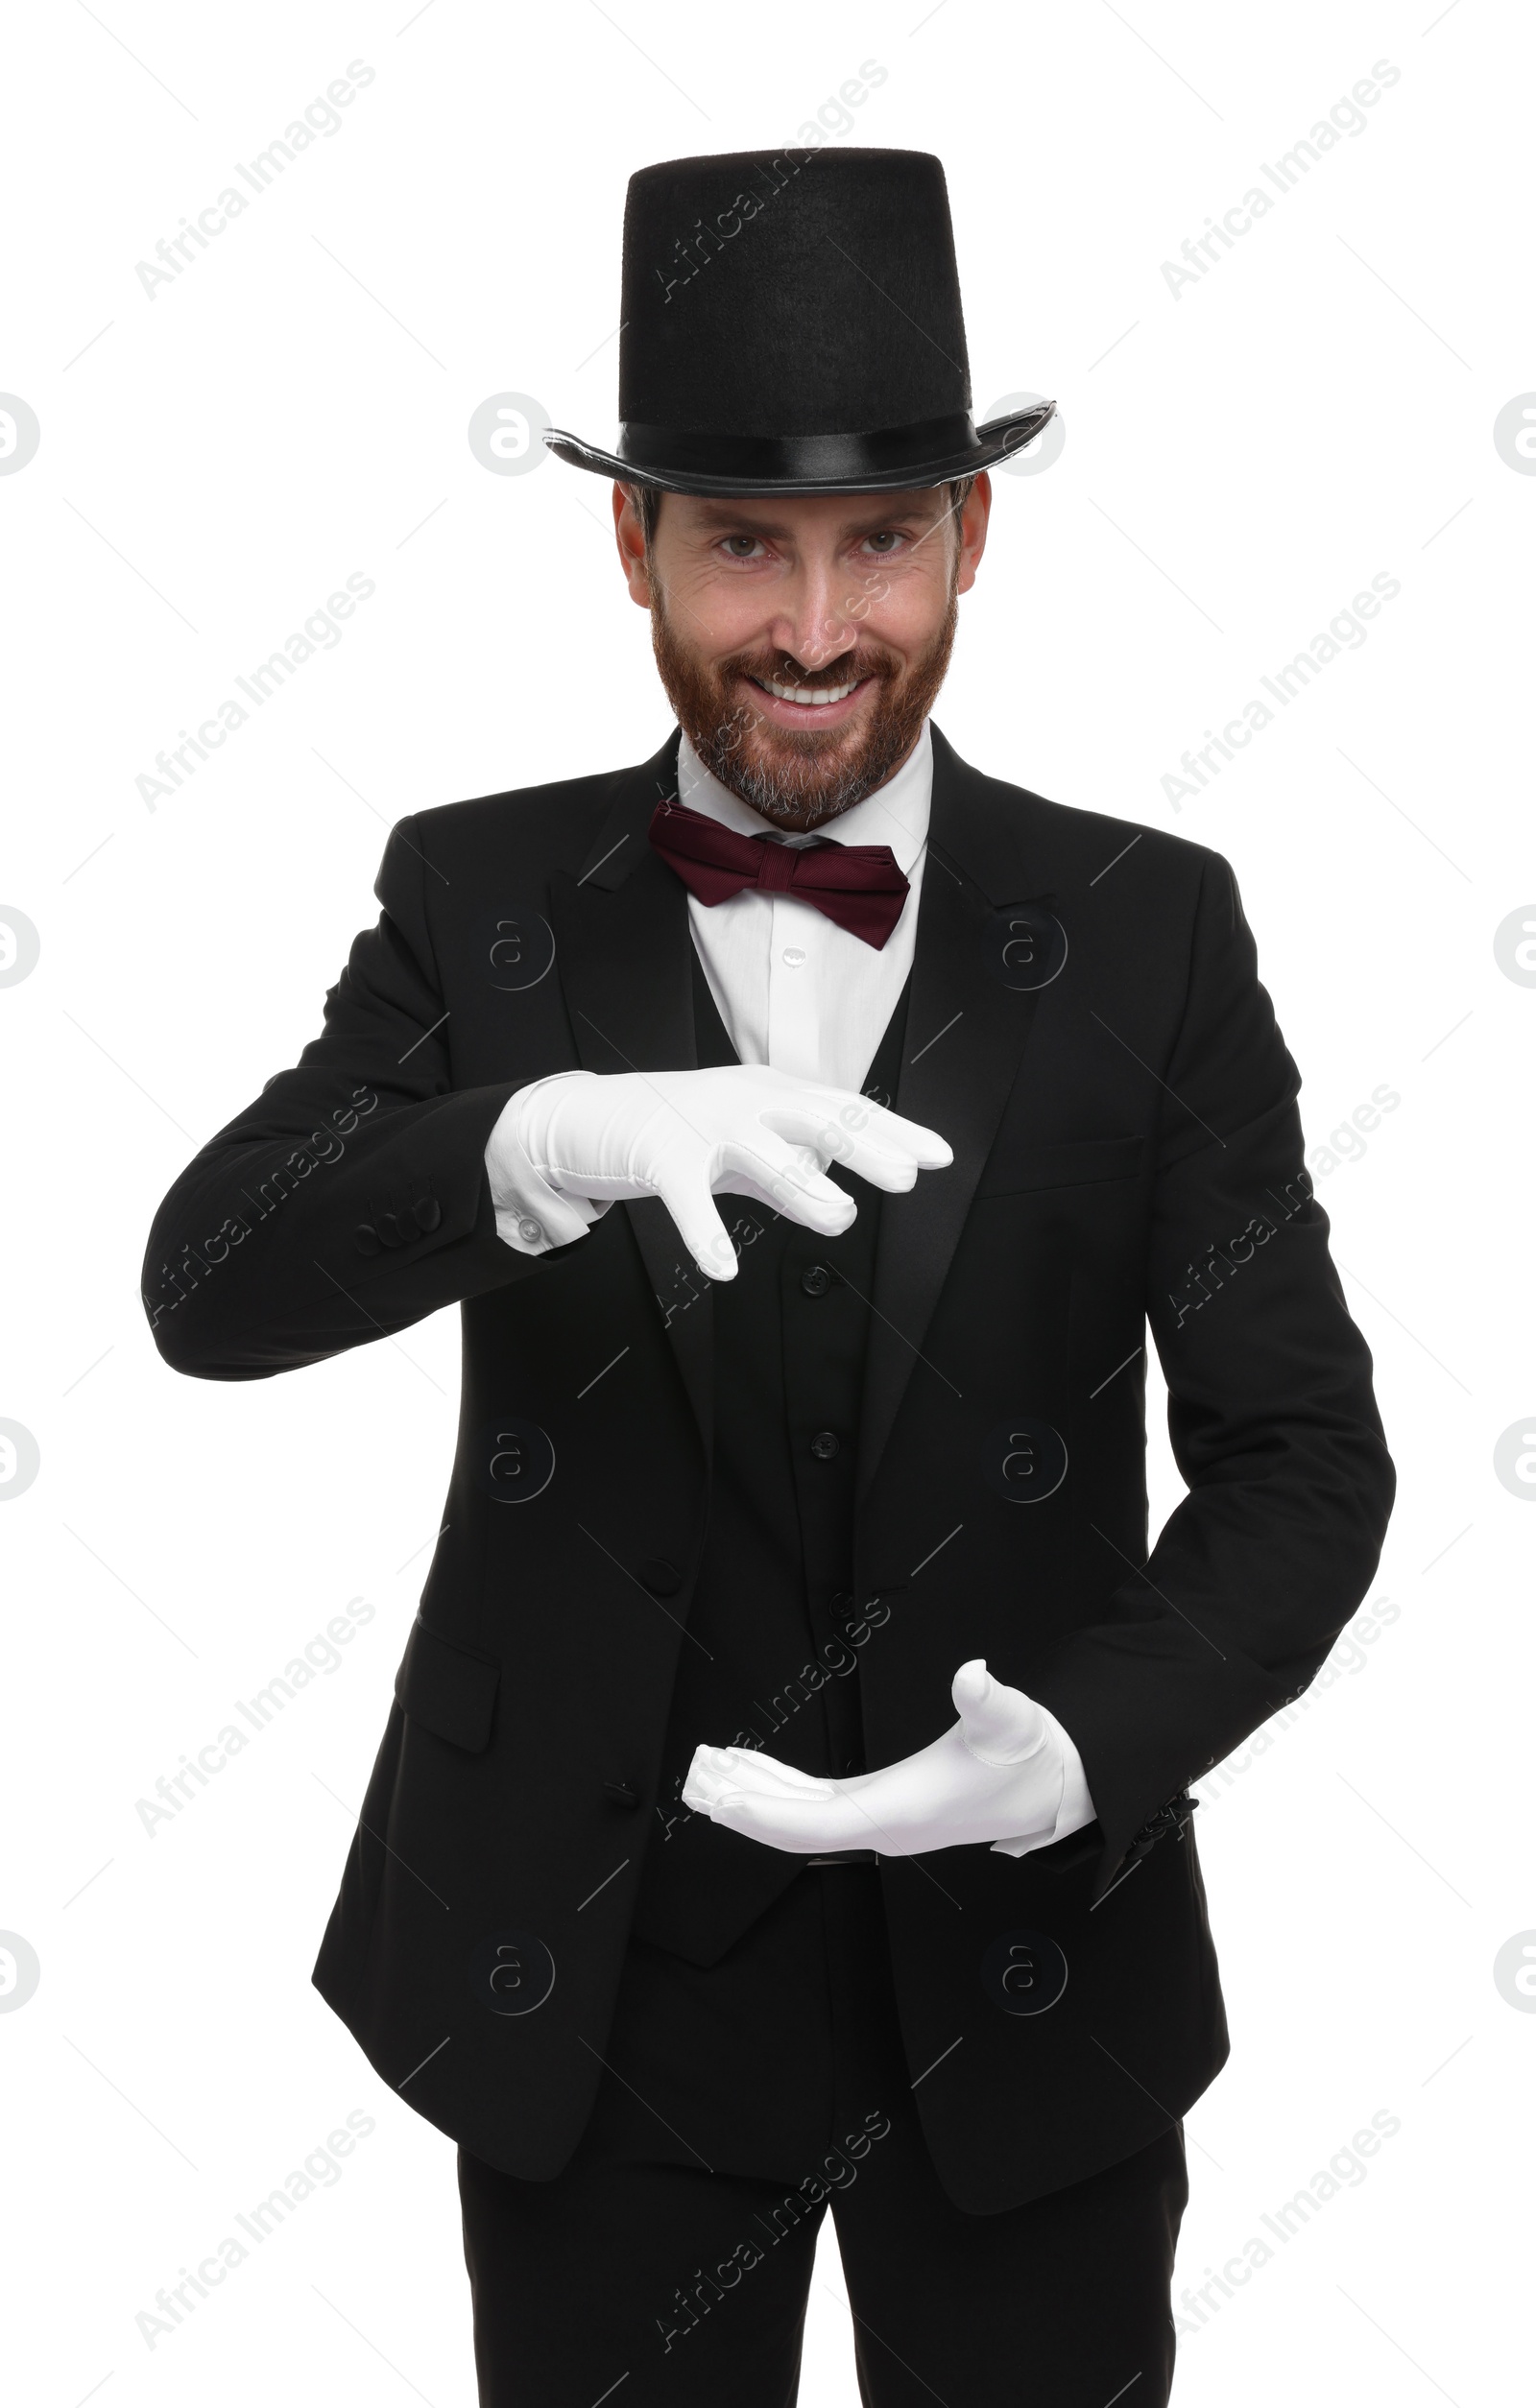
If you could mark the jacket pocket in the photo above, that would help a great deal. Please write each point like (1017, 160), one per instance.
(447, 1689)
(1015, 1166)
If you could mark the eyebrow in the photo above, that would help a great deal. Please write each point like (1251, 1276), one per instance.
(744, 519)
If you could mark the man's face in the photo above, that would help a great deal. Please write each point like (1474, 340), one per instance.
(802, 642)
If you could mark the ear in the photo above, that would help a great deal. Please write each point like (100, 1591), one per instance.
(629, 537)
(973, 519)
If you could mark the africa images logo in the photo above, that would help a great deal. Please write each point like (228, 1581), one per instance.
(319, 121)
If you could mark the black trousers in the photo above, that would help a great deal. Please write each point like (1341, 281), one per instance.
(671, 2261)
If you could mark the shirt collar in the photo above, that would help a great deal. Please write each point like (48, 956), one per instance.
(896, 814)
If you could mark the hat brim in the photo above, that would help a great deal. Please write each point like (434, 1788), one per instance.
(892, 460)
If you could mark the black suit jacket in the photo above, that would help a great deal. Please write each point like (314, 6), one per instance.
(1088, 1030)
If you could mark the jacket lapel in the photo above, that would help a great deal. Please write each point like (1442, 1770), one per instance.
(623, 955)
(624, 960)
(966, 1035)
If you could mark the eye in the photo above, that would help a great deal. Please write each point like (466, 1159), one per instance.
(741, 547)
(883, 543)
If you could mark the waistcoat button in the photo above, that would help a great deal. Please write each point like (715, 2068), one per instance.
(824, 1446)
(816, 1280)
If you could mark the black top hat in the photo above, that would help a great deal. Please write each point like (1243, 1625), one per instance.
(791, 324)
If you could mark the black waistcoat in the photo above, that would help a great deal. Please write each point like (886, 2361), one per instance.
(772, 1652)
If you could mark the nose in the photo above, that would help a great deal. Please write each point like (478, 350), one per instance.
(810, 620)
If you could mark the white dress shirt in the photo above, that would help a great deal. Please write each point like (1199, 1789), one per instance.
(797, 993)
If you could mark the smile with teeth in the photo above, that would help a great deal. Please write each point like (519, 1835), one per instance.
(803, 693)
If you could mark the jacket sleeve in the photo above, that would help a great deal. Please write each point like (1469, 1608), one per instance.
(1271, 1416)
(351, 1199)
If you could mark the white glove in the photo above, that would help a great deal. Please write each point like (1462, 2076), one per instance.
(688, 1136)
(1005, 1772)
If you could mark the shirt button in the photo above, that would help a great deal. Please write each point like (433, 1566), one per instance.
(793, 956)
(816, 1280)
(529, 1231)
(824, 1446)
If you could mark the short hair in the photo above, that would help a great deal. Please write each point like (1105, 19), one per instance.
(647, 501)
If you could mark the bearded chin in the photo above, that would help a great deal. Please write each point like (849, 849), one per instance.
(789, 774)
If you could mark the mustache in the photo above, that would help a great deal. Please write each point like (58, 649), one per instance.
(783, 669)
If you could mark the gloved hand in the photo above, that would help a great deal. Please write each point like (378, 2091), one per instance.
(688, 1136)
(1005, 1772)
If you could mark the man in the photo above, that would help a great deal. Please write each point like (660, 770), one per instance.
(809, 1127)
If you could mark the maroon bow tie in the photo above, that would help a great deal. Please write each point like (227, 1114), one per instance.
(859, 886)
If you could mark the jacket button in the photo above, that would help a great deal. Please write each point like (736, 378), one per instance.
(387, 1225)
(621, 1792)
(427, 1215)
(662, 1577)
(365, 1238)
(824, 1446)
(816, 1280)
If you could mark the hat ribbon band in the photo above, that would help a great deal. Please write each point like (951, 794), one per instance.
(784, 458)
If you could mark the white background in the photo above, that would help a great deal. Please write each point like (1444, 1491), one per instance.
(1241, 458)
